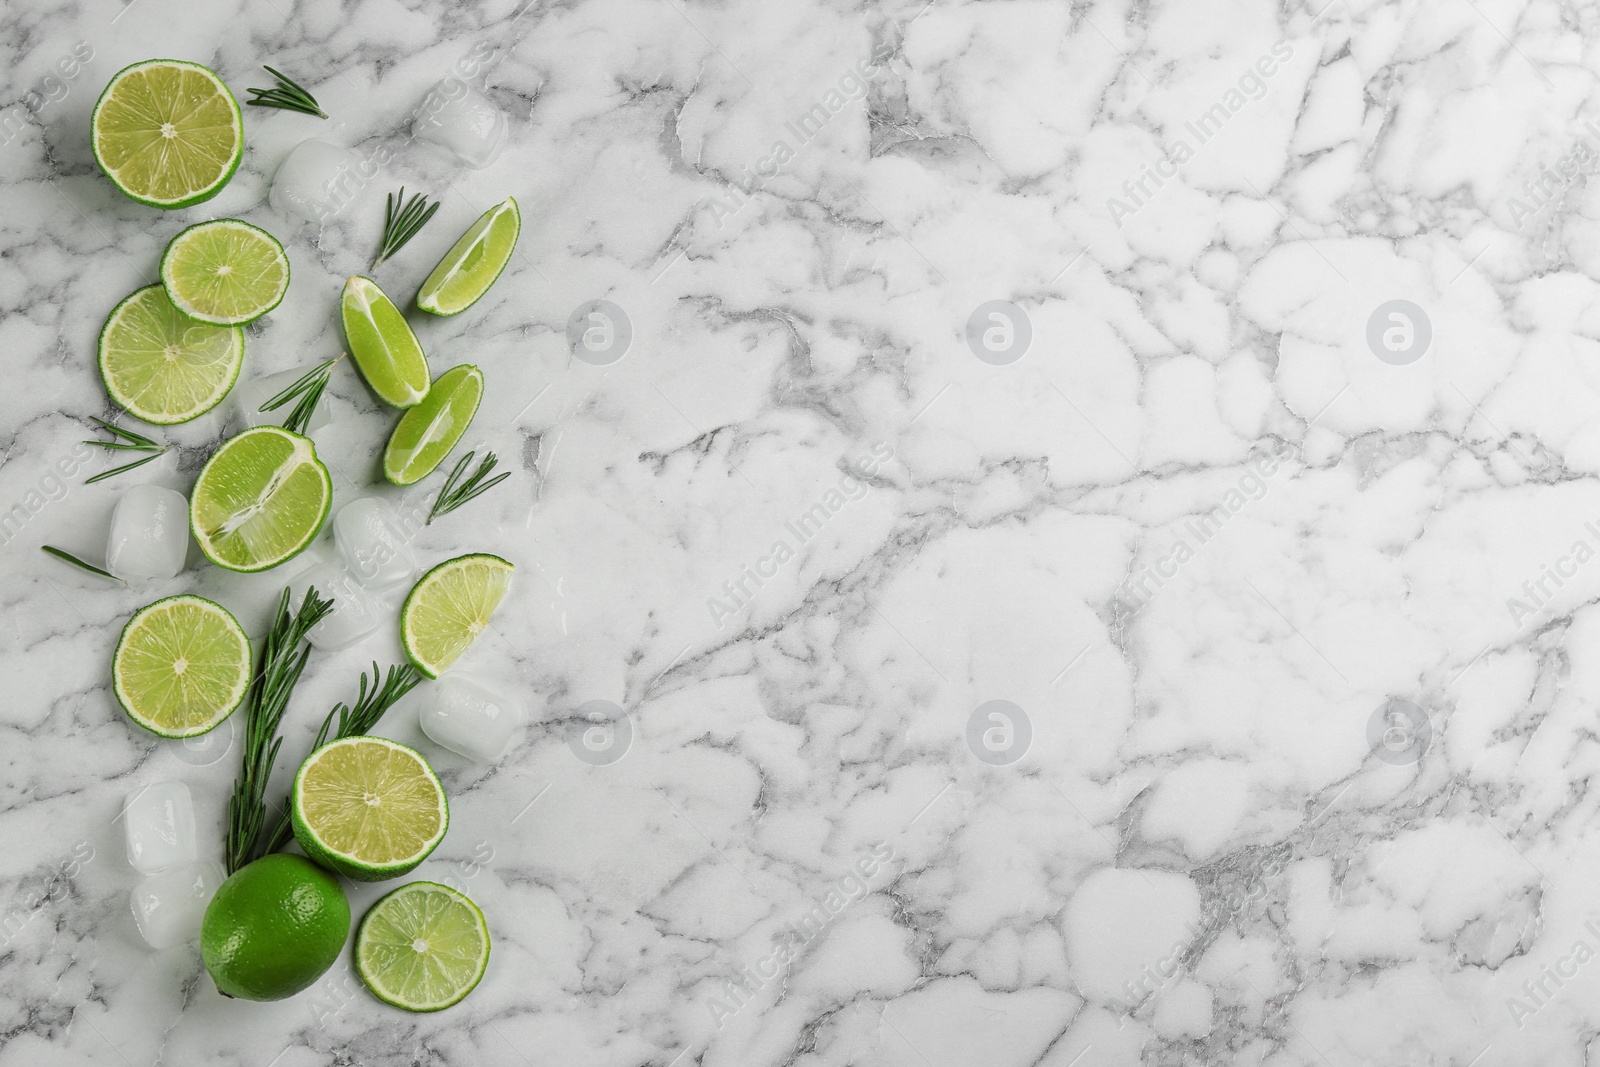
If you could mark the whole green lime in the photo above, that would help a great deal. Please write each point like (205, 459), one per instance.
(274, 928)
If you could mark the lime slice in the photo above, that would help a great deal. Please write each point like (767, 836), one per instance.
(161, 366)
(426, 433)
(368, 808)
(259, 499)
(382, 343)
(167, 133)
(423, 947)
(449, 606)
(182, 665)
(225, 272)
(472, 265)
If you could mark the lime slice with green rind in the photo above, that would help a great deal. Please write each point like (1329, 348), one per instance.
(423, 947)
(225, 272)
(474, 263)
(259, 499)
(382, 343)
(368, 808)
(449, 606)
(167, 133)
(426, 433)
(161, 366)
(182, 665)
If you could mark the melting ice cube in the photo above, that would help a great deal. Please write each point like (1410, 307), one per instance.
(374, 546)
(149, 533)
(356, 613)
(158, 825)
(317, 181)
(168, 907)
(249, 396)
(469, 718)
(462, 121)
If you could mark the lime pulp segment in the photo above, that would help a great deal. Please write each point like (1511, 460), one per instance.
(368, 807)
(225, 272)
(426, 433)
(161, 366)
(182, 665)
(449, 606)
(167, 133)
(380, 339)
(423, 947)
(474, 263)
(259, 499)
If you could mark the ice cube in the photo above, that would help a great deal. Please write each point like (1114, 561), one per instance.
(248, 398)
(317, 181)
(462, 121)
(356, 613)
(158, 825)
(149, 533)
(168, 907)
(467, 717)
(375, 546)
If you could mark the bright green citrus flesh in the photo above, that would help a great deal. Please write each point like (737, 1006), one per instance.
(426, 433)
(423, 947)
(368, 808)
(474, 263)
(259, 499)
(382, 343)
(161, 366)
(182, 665)
(449, 606)
(274, 927)
(225, 272)
(167, 133)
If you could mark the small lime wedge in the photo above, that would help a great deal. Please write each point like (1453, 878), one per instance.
(167, 133)
(368, 808)
(426, 433)
(225, 272)
(449, 607)
(259, 499)
(382, 343)
(161, 366)
(423, 947)
(182, 665)
(474, 263)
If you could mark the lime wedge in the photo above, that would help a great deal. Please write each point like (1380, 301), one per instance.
(426, 433)
(182, 665)
(167, 133)
(161, 366)
(382, 343)
(225, 272)
(259, 499)
(423, 947)
(449, 606)
(472, 265)
(368, 808)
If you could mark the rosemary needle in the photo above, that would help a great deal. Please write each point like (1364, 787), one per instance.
(76, 562)
(452, 496)
(307, 391)
(288, 95)
(124, 440)
(401, 220)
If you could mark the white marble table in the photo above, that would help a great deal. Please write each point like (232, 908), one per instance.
(1010, 351)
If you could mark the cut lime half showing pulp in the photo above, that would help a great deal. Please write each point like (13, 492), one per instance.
(225, 272)
(423, 947)
(382, 343)
(474, 263)
(161, 366)
(182, 665)
(426, 433)
(368, 808)
(449, 606)
(259, 499)
(167, 133)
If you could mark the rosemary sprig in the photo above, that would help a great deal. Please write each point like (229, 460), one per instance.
(452, 496)
(307, 391)
(76, 562)
(283, 658)
(370, 705)
(124, 440)
(125, 468)
(401, 223)
(288, 95)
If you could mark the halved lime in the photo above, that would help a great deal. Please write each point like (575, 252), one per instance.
(368, 808)
(182, 665)
(161, 366)
(426, 433)
(225, 272)
(167, 133)
(474, 262)
(382, 343)
(423, 947)
(259, 499)
(449, 606)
